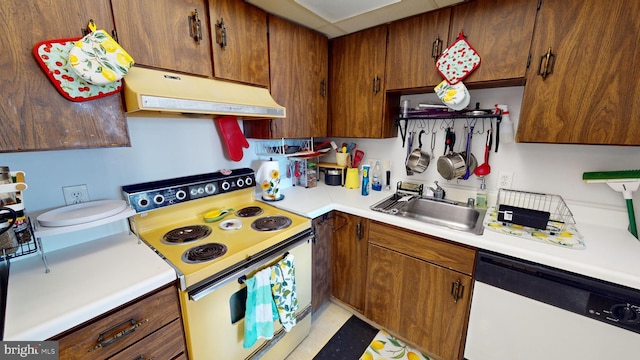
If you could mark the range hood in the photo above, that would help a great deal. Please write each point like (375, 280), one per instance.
(151, 92)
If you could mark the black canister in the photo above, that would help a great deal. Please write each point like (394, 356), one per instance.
(333, 177)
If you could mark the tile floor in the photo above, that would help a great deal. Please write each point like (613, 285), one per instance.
(326, 322)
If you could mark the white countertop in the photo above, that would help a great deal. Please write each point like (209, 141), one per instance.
(85, 281)
(612, 253)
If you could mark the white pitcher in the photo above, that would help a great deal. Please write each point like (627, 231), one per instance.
(268, 178)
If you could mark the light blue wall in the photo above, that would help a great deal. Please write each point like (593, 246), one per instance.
(163, 148)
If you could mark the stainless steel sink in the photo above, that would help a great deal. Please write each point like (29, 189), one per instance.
(441, 212)
(458, 217)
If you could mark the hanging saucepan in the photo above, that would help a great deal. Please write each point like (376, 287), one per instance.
(418, 160)
(468, 156)
(454, 165)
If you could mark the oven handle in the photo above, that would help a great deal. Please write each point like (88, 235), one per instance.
(246, 267)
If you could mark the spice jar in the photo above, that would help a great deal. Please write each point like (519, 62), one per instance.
(8, 241)
(8, 198)
(21, 227)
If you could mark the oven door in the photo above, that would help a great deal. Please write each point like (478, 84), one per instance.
(213, 313)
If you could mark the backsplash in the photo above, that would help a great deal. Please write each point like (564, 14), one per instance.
(164, 148)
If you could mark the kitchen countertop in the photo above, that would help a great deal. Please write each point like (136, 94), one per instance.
(612, 253)
(85, 281)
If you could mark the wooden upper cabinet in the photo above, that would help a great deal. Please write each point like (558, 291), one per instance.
(299, 76)
(357, 85)
(33, 115)
(412, 44)
(590, 97)
(240, 44)
(501, 32)
(162, 34)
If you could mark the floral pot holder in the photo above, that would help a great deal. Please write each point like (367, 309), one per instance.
(53, 57)
(84, 69)
(458, 61)
(99, 59)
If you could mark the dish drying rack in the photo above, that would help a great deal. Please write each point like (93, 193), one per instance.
(284, 147)
(560, 217)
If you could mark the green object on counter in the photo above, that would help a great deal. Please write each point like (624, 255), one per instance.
(624, 181)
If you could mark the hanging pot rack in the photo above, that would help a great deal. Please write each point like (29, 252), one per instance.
(402, 123)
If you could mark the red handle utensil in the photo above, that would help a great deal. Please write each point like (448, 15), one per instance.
(357, 158)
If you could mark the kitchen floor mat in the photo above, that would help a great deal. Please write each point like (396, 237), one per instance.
(349, 342)
(386, 347)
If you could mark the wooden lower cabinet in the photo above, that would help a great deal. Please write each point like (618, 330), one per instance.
(321, 257)
(349, 259)
(419, 288)
(149, 327)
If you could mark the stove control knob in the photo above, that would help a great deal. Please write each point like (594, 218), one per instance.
(181, 194)
(210, 188)
(226, 185)
(143, 202)
(248, 181)
(240, 183)
(158, 199)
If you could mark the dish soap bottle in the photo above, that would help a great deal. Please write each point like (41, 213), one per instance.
(365, 180)
(481, 195)
(376, 184)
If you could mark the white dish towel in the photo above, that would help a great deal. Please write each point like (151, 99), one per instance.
(261, 310)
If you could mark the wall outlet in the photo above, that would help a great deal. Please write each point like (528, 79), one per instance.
(75, 194)
(505, 179)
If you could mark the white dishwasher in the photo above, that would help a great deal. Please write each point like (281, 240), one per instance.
(522, 310)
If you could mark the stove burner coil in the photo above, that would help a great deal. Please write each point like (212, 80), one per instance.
(271, 223)
(205, 252)
(186, 234)
(249, 211)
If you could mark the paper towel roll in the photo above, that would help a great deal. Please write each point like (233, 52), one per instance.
(268, 178)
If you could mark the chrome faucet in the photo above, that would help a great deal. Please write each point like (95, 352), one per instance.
(438, 192)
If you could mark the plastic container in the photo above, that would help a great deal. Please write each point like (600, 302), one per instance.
(481, 196)
(376, 181)
(506, 125)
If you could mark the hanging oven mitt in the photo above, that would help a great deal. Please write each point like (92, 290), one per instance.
(458, 61)
(98, 59)
(232, 135)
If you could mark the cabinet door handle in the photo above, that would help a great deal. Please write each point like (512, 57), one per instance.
(102, 342)
(359, 231)
(376, 85)
(436, 48)
(549, 60)
(323, 88)
(221, 34)
(195, 26)
(457, 290)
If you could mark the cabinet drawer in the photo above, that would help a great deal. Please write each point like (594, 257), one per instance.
(424, 247)
(166, 343)
(135, 321)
